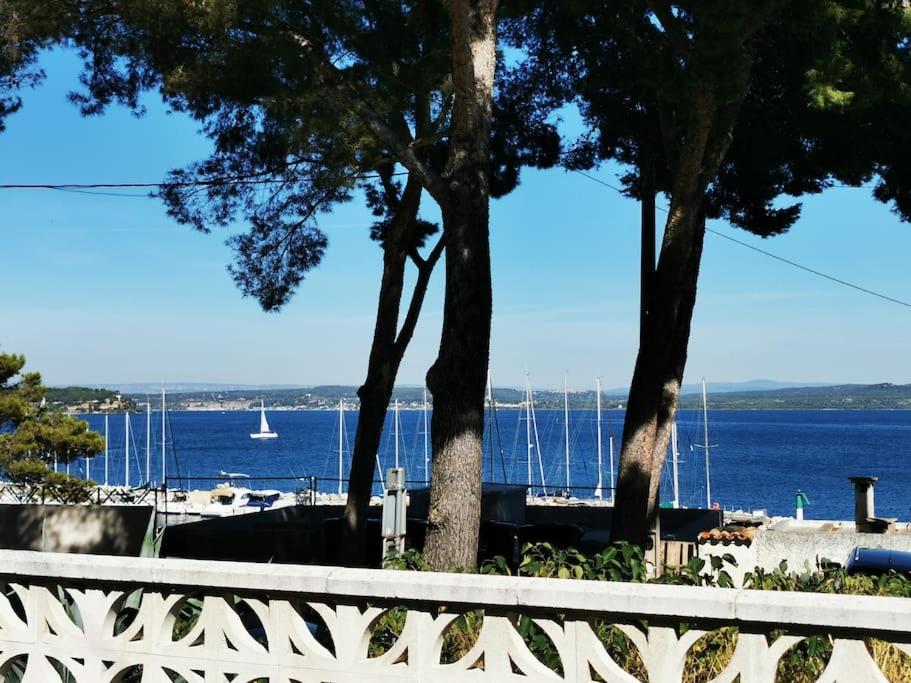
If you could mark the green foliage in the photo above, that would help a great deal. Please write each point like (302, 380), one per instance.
(816, 72)
(693, 574)
(31, 436)
(21, 38)
(410, 560)
(461, 636)
(71, 396)
(386, 630)
(623, 562)
(827, 579)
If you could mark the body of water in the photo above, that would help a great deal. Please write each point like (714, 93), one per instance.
(758, 458)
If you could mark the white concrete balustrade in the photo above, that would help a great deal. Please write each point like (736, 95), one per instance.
(93, 619)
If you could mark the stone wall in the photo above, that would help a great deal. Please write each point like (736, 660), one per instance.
(803, 546)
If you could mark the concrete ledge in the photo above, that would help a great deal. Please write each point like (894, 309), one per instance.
(621, 601)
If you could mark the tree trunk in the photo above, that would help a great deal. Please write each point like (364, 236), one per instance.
(647, 245)
(457, 377)
(655, 387)
(374, 396)
(386, 354)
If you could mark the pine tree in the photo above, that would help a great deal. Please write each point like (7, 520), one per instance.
(724, 108)
(306, 103)
(31, 436)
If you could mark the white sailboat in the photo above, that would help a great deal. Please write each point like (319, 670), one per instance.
(264, 431)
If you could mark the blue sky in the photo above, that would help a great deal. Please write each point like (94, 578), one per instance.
(100, 289)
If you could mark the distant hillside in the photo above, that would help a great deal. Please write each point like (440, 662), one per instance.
(846, 396)
(843, 396)
(750, 385)
(87, 399)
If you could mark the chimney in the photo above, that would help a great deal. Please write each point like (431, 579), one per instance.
(865, 519)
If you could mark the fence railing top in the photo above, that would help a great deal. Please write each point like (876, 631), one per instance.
(735, 607)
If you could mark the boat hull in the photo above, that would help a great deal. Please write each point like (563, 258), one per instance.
(264, 435)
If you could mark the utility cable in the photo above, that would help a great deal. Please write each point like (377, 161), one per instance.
(229, 180)
(789, 262)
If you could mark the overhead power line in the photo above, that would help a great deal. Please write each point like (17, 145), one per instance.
(813, 271)
(213, 182)
(89, 188)
(832, 278)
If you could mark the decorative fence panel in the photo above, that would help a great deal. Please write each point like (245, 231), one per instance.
(98, 495)
(93, 619)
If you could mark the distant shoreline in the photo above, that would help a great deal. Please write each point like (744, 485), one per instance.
(849, 397)
(412, 409)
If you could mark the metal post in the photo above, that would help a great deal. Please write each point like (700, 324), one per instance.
(801, 502)
(394, 512)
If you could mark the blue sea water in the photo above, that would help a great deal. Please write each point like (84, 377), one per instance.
(759, 458)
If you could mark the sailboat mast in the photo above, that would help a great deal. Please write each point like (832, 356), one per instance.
(705, 427)
(148, 441)
(534, 426)
(675, 454)
(566, 430)
(105, 450)
(598, 492)
(426, 443)
(488, 427)
(395, 430)
(341, 434)
(164, 462)
(126, 450)
(528, 427)
(613, 485)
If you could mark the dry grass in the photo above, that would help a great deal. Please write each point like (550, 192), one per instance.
(895, 664)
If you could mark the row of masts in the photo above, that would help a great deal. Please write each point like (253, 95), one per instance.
(675, 454)
(534, 443)
(127, 439)
(532, 440)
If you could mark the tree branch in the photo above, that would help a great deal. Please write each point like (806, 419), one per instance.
(673, 27)
(425, 270)
(353, 100)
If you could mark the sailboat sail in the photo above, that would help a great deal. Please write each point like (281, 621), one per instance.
(264, 431)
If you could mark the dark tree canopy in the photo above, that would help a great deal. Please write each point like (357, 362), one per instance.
(829, 94)
(728, 109)
(23, 33)
(304, 103)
